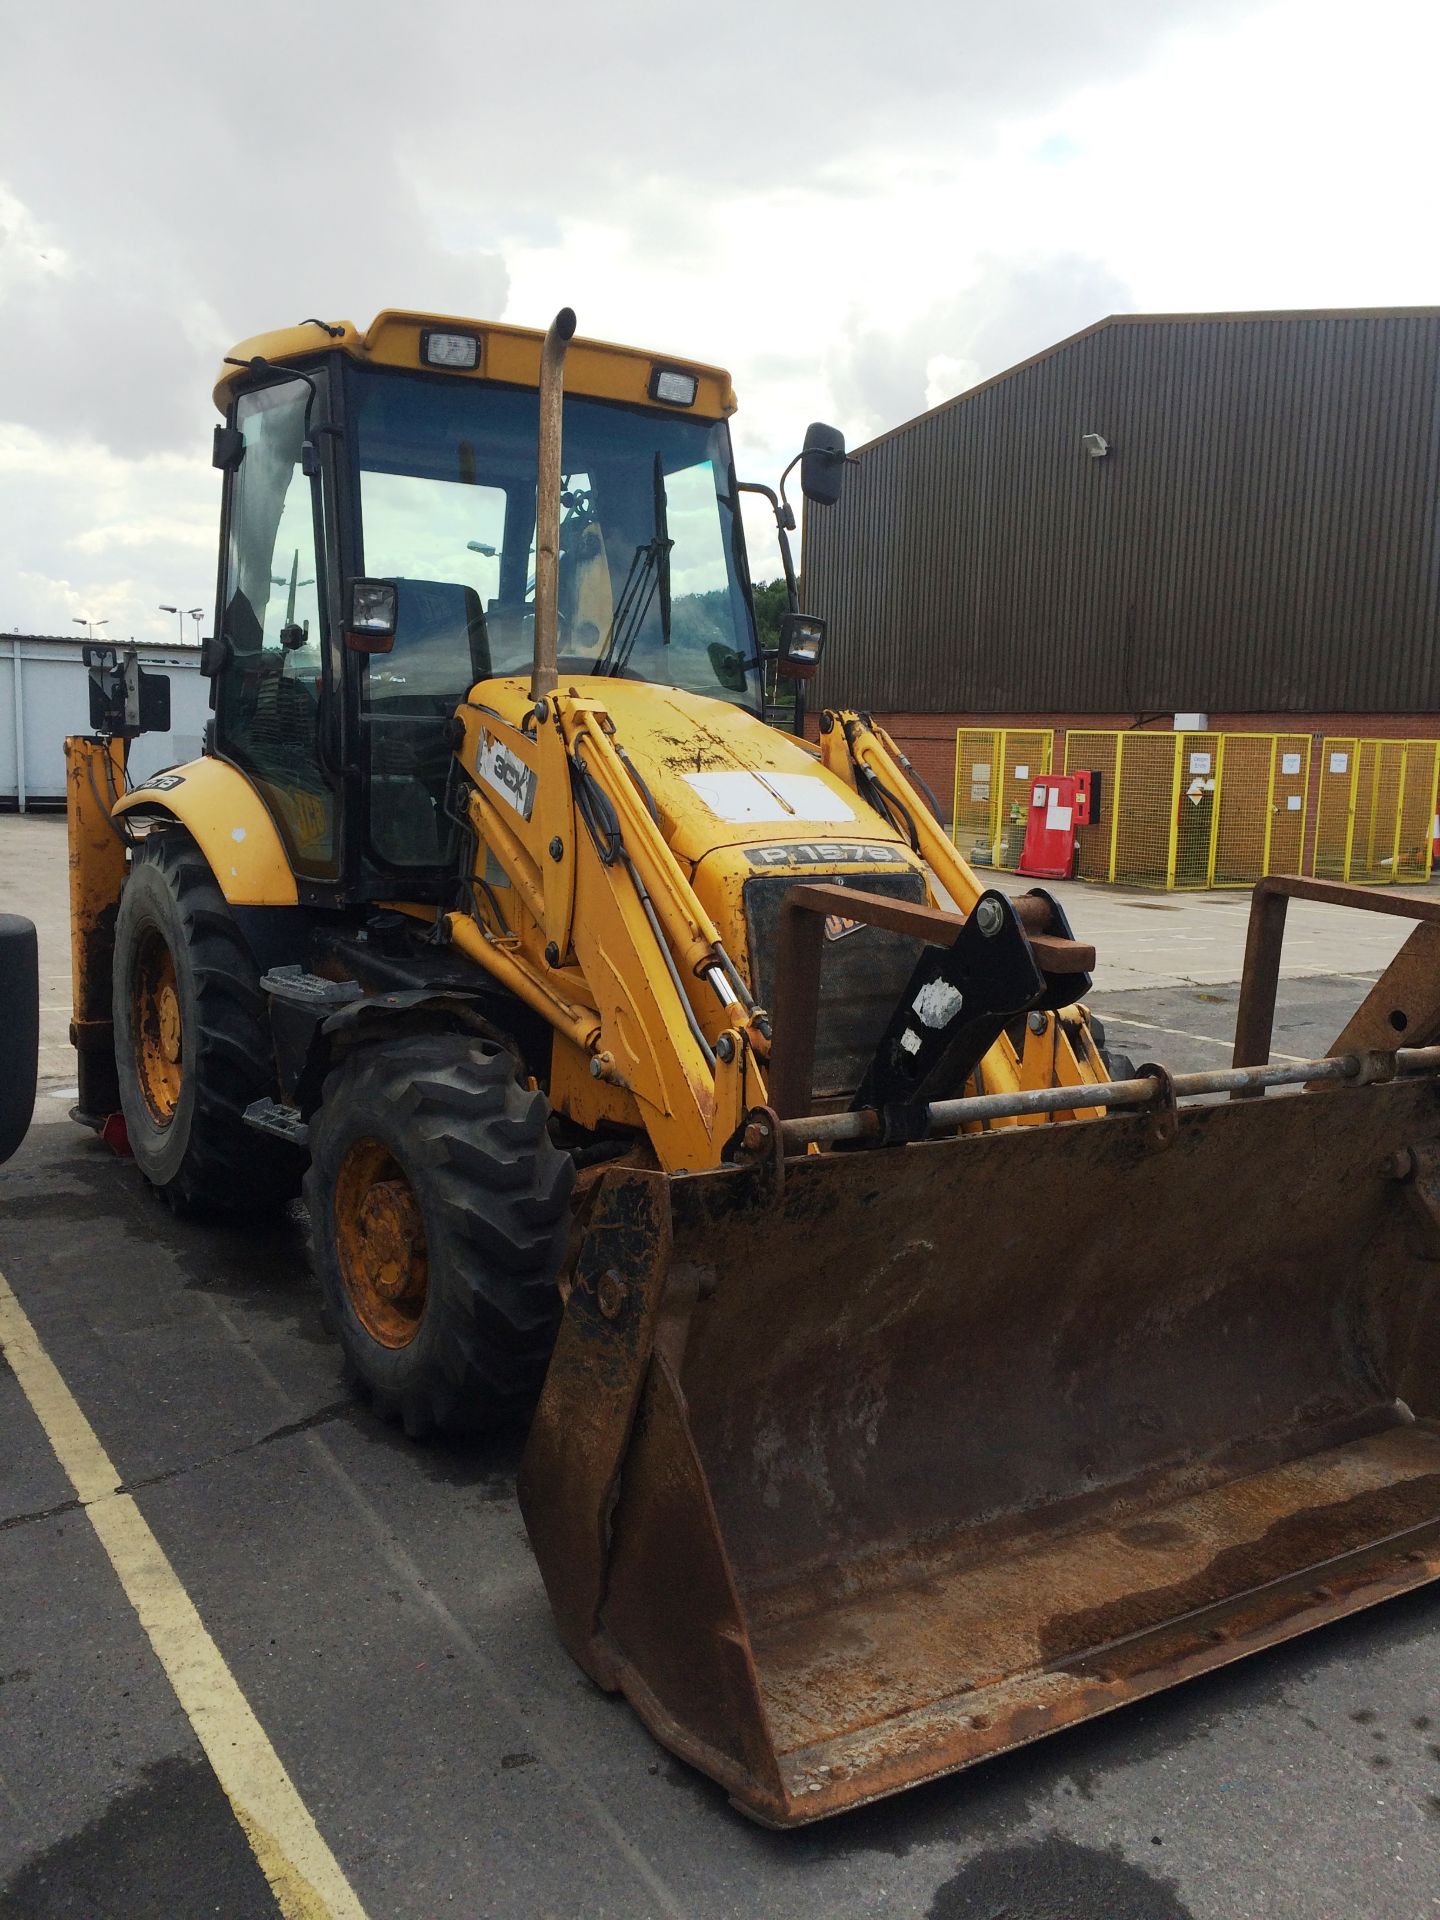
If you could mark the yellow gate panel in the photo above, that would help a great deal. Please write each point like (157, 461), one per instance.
(1096, 752)
(994, 767)
(1260, 806)
(1377, 805)
(1147, 799)
(1379, 797)
(972, 826)
(1414, 839)
(1023, 755)
(1242, 808)
(1197, 809)
(1289, 796)
(1335, 808)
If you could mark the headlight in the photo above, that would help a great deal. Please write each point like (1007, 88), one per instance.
(802, 638)
(371, 626)
(460, 351)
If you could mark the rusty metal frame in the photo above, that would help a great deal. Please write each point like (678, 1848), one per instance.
(795, 1005)
(1412, 976)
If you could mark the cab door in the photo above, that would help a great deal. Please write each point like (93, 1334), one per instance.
(273, 687)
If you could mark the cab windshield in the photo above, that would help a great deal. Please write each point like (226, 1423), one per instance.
(651, 575)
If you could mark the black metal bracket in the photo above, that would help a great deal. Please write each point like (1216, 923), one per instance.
(959, 1001)
(758, 1144)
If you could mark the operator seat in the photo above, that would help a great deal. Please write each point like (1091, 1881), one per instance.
(441, 649)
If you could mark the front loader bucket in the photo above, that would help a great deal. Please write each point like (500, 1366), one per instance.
(856, 1474)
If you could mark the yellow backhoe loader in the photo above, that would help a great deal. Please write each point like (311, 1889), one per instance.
(909, 1387)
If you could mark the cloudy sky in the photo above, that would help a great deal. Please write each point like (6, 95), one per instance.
(860, 209)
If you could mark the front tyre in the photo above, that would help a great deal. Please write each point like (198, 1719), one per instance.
(439, 1208)
(192, 1044)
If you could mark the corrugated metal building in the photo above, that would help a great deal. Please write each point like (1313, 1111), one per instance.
(1257, 542)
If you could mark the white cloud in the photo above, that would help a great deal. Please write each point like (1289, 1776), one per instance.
(84, 531)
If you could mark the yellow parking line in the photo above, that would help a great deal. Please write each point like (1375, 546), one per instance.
(304, 1875)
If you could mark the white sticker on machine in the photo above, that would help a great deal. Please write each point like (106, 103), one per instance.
(508, 775)
(737, 795)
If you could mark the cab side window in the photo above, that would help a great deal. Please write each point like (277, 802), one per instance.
(267, 705)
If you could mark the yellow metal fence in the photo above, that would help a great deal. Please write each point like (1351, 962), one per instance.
(1376, 809)
(1191, 810)
(993, 770)
(1185, 810)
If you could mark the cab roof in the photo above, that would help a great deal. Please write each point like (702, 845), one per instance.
(508, 354)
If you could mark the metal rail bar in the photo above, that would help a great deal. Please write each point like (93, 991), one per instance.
(1260, 975)
(828, 1128)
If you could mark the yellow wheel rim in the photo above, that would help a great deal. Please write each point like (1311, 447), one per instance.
(159, 1044)
(380, 1243)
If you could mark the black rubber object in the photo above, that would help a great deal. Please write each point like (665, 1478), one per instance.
(493, 1193)
(204, 1159)
(19, 1029)
(1119, 1066)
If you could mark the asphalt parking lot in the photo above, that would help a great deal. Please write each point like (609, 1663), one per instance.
(379, 1610)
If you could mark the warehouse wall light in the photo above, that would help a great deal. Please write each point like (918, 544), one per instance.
(1095, 444)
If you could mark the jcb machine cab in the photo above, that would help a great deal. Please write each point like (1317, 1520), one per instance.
(907, 1386)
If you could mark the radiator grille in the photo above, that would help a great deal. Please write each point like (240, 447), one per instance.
(862, 974)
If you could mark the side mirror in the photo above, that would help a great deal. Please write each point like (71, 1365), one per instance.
(802, 640)
(822, 464)
(728, 666)
(125, 700)
(371, 625)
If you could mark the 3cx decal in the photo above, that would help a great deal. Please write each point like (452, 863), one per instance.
(509, 776)
(161, 783)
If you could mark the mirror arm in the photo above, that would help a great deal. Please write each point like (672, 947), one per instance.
(784, 520)
(789, 510)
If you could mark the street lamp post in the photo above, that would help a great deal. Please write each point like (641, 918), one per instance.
(179, 613)
(197, 614)
(88, 624)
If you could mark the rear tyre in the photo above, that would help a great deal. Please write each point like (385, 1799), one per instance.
(439, 1208)
(192, 1046)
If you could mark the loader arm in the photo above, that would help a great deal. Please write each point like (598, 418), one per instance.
(614, 948)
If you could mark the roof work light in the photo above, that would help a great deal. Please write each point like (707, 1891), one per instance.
(674, 386)
(458, 351)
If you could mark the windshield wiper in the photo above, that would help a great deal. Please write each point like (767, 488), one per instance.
(648, 573)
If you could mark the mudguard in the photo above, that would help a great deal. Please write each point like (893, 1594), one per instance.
(223, 813)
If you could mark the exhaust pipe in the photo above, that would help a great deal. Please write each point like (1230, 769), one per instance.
(543, 674)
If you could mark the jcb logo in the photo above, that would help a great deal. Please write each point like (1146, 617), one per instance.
(837, 926)
(509, 776)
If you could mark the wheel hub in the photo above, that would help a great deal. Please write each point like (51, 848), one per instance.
(395, 1240)
(380, 1240)
(158, 1032)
